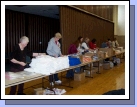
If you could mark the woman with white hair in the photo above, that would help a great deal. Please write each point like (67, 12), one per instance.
(18, 61)
(54, 50)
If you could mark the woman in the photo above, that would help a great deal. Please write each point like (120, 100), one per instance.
(109, 43)
(104, 45)
(115, 43)
(92, 44)
(73, 49)
(80, 40)
(85, 45)
(54, 50)
(18, 61)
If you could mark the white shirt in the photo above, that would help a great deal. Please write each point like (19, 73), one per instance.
(116, 43)
(85, 45)
(113, 44)
(80, 49)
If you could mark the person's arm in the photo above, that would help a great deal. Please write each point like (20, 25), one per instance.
(117, 43)
(95, 46)
(113, 44)
(49, 49)
(17, 62)
(90, 45)
(85, 46)
(60, 49)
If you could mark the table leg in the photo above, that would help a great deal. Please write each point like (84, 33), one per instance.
(98, 69)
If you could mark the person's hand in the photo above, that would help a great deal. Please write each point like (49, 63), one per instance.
(55, 56)
(61, 55)
(78, 51)
(22, 63)
(42, 53)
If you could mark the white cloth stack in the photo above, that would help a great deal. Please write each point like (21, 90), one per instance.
(46, 65)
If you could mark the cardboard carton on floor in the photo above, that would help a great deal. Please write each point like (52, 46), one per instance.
(79, 76)
(39, 91)
(106, 66)
(88, 72)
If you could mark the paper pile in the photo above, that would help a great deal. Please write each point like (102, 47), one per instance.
(12, 75)
(56, 90)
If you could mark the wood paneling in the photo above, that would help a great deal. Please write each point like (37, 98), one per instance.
(75, 23)
(14, 29)
(41, 29)
(105, 11)
(37, 28)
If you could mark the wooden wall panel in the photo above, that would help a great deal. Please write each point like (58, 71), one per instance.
(75, 23)
(41, 29)
(37, 28)
(104, 11)
(14, 29)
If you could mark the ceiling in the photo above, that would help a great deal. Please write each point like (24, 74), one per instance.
(51, 11)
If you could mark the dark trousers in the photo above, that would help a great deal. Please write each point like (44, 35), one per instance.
(20, 86)
(70, 73)
(53, 77)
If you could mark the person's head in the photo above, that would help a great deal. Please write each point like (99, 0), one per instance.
(108, 39)
(24, 41)
(86, 40)
(93, 40)
(80, 39)
(57, 36)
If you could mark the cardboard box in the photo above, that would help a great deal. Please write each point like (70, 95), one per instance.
(85, 58)
(102, 54)
(87, 72)
(89, 54)
(109, 51)
(93, 70)
(39, 91)
(79, 76)
(119, 48)
(106, 66)
(117, 51)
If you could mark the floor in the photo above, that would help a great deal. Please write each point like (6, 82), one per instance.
(108, 80)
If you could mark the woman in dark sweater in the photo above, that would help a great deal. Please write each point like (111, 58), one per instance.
(18, 61)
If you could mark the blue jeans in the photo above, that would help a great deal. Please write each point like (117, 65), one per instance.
(53, 77)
